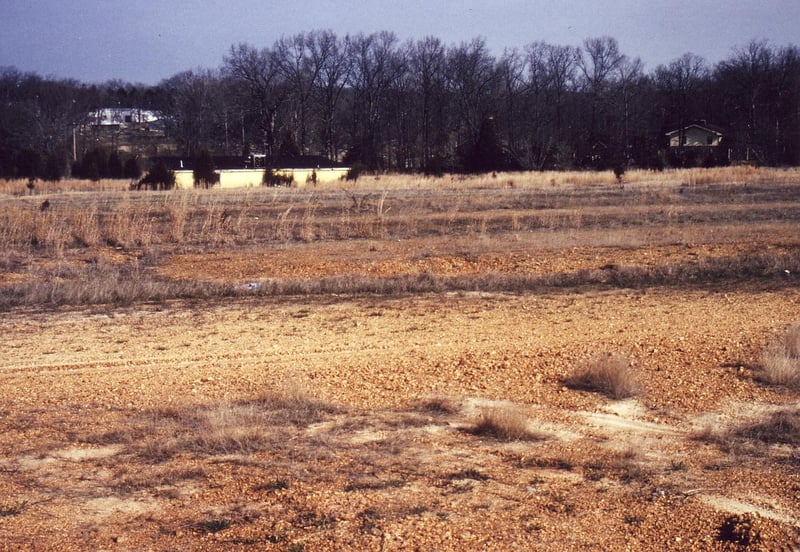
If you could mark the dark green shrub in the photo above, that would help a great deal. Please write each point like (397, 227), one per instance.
(54, 168)
(619, 172)
(355, 171)
(273, 178)
(203, 172)
(114, 167)
(132, 169)
(158, 178)
(29, 164)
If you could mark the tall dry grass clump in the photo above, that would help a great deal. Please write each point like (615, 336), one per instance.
(780, 362)
(610, 374)
(507, 423)
(572, 179)
(178, 213)
(130, 225)
(86, 226)
(781, 427)
(229, 427)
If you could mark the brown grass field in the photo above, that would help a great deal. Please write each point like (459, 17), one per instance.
(527, 361)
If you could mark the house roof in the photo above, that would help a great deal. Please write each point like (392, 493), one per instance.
(702, 125)
(303, 162)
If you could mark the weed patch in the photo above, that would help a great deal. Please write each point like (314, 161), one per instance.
(782, 427)
(230, 428)
(740, 530)
(609, 374)
(780, 363)
(440, 406)
(214, 525)
(503, 423)
(11, 509)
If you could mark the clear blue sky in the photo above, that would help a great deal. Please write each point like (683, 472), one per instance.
(150, 40)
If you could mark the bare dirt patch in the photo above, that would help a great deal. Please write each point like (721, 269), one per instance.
(118, 426)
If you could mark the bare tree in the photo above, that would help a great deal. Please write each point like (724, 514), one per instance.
(334, 72)
(549, 81)
(511, 75)
(377, 66)
(679, 83)
(262, 85)
(630, 81)
(748, 85)
(427, 71)
(787, 104)
(472, 84)
(599, 64)
(197, 111)
(301, 59)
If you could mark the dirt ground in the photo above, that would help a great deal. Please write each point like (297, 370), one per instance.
(386, 473)
(350, 422)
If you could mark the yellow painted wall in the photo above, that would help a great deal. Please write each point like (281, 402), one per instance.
(302, 177)
(251, 178)
(184, 180)
(240, 178)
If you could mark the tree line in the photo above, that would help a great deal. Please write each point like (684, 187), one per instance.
(374, 101)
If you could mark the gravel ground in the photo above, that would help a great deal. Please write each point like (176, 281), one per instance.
(102, 412)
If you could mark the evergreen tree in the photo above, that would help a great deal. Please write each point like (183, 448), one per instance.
(203, 171)
(158, 178)
(29, 163)
(114, 165)
(53, 168)
(132, 169)
(487, 153)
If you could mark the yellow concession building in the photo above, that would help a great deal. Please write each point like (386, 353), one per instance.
(297, 171)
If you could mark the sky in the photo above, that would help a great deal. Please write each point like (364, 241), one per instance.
(146, 41)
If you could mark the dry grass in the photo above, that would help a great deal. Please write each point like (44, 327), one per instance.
(612, 375)
(97, 280)
(437, 405)
(753, 438)
(12, 508)
(506, 423)
(54, 244)
(781, 427)
(19, 187)
(526, 179)
(622, 465)
(791, 341)
(560, 179)
(780, 363)
(231, 428)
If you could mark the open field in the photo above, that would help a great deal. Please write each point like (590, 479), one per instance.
(534, 362)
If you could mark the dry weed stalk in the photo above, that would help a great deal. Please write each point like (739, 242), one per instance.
(507, 423)
(526, 179)
(780, 427)
(129, 225)
(178, 214)
(86, 227)
(610, 374)
(780, 363)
